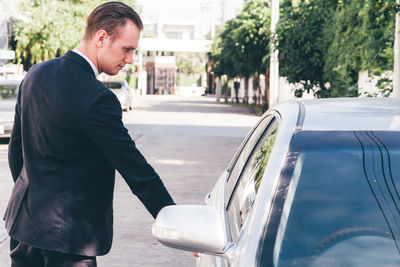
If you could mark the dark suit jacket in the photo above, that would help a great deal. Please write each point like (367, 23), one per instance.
(67, 141)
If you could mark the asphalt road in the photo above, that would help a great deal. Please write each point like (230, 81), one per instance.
(189, 141)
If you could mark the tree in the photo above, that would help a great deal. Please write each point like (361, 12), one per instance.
(224, 51)
(51, 28)
(363, 36)
(302, 43)
(379, 22)
(222, 57)
(344, 55)
(189, 63)
(253, 39)
(190, 66)
(242, 47)
(323, 45)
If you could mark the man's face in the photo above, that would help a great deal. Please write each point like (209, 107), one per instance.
(115, 53)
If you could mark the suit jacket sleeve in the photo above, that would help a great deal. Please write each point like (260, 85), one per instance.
(105, 128)
(15, 159)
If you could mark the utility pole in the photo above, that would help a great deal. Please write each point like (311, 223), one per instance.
(274, 60)
(396, 67)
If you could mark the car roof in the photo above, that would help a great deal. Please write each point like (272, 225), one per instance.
(345, 113)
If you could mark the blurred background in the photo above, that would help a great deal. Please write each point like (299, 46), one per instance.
(257, 52)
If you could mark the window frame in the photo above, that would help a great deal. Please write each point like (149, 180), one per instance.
(267, 123)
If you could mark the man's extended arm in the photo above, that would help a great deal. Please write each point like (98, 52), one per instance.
(104, 126)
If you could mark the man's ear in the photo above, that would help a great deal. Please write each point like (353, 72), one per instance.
(100, 37)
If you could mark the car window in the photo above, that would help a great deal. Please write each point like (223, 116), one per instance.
(245, 190)
(342, 206)
(236, 167)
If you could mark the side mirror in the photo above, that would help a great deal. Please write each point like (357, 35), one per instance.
(190, 227)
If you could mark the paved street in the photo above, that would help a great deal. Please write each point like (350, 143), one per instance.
(189, 141)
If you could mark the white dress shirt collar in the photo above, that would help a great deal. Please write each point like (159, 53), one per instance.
(96, 72)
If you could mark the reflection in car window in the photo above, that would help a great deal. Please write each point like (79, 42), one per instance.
(342, 204)
(237, 168)
(262, 156)
(246, 188)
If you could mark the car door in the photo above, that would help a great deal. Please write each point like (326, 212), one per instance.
(241, 181)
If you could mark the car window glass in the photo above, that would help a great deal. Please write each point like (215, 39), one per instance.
(237, 168)
(247, 186)
(342, 204)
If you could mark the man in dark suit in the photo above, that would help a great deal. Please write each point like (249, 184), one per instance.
(67, 141)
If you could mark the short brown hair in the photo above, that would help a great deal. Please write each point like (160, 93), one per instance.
(110, 16)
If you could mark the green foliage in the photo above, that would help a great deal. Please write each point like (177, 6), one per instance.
(189, 63)
(262, 156)
(363, 37)
(186, 80)
(385, 86)
(51, 28)
(323, 45)
(252, 38)
(379, 25)
(224, 51)
(242, 47)
(302, 44)
(343, 57)
(190, 67)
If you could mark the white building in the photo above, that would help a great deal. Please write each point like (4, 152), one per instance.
(176, 26)
(181, 19)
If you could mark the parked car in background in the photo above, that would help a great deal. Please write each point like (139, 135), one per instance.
(123, 92)
(8, 99)
(315, 183)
